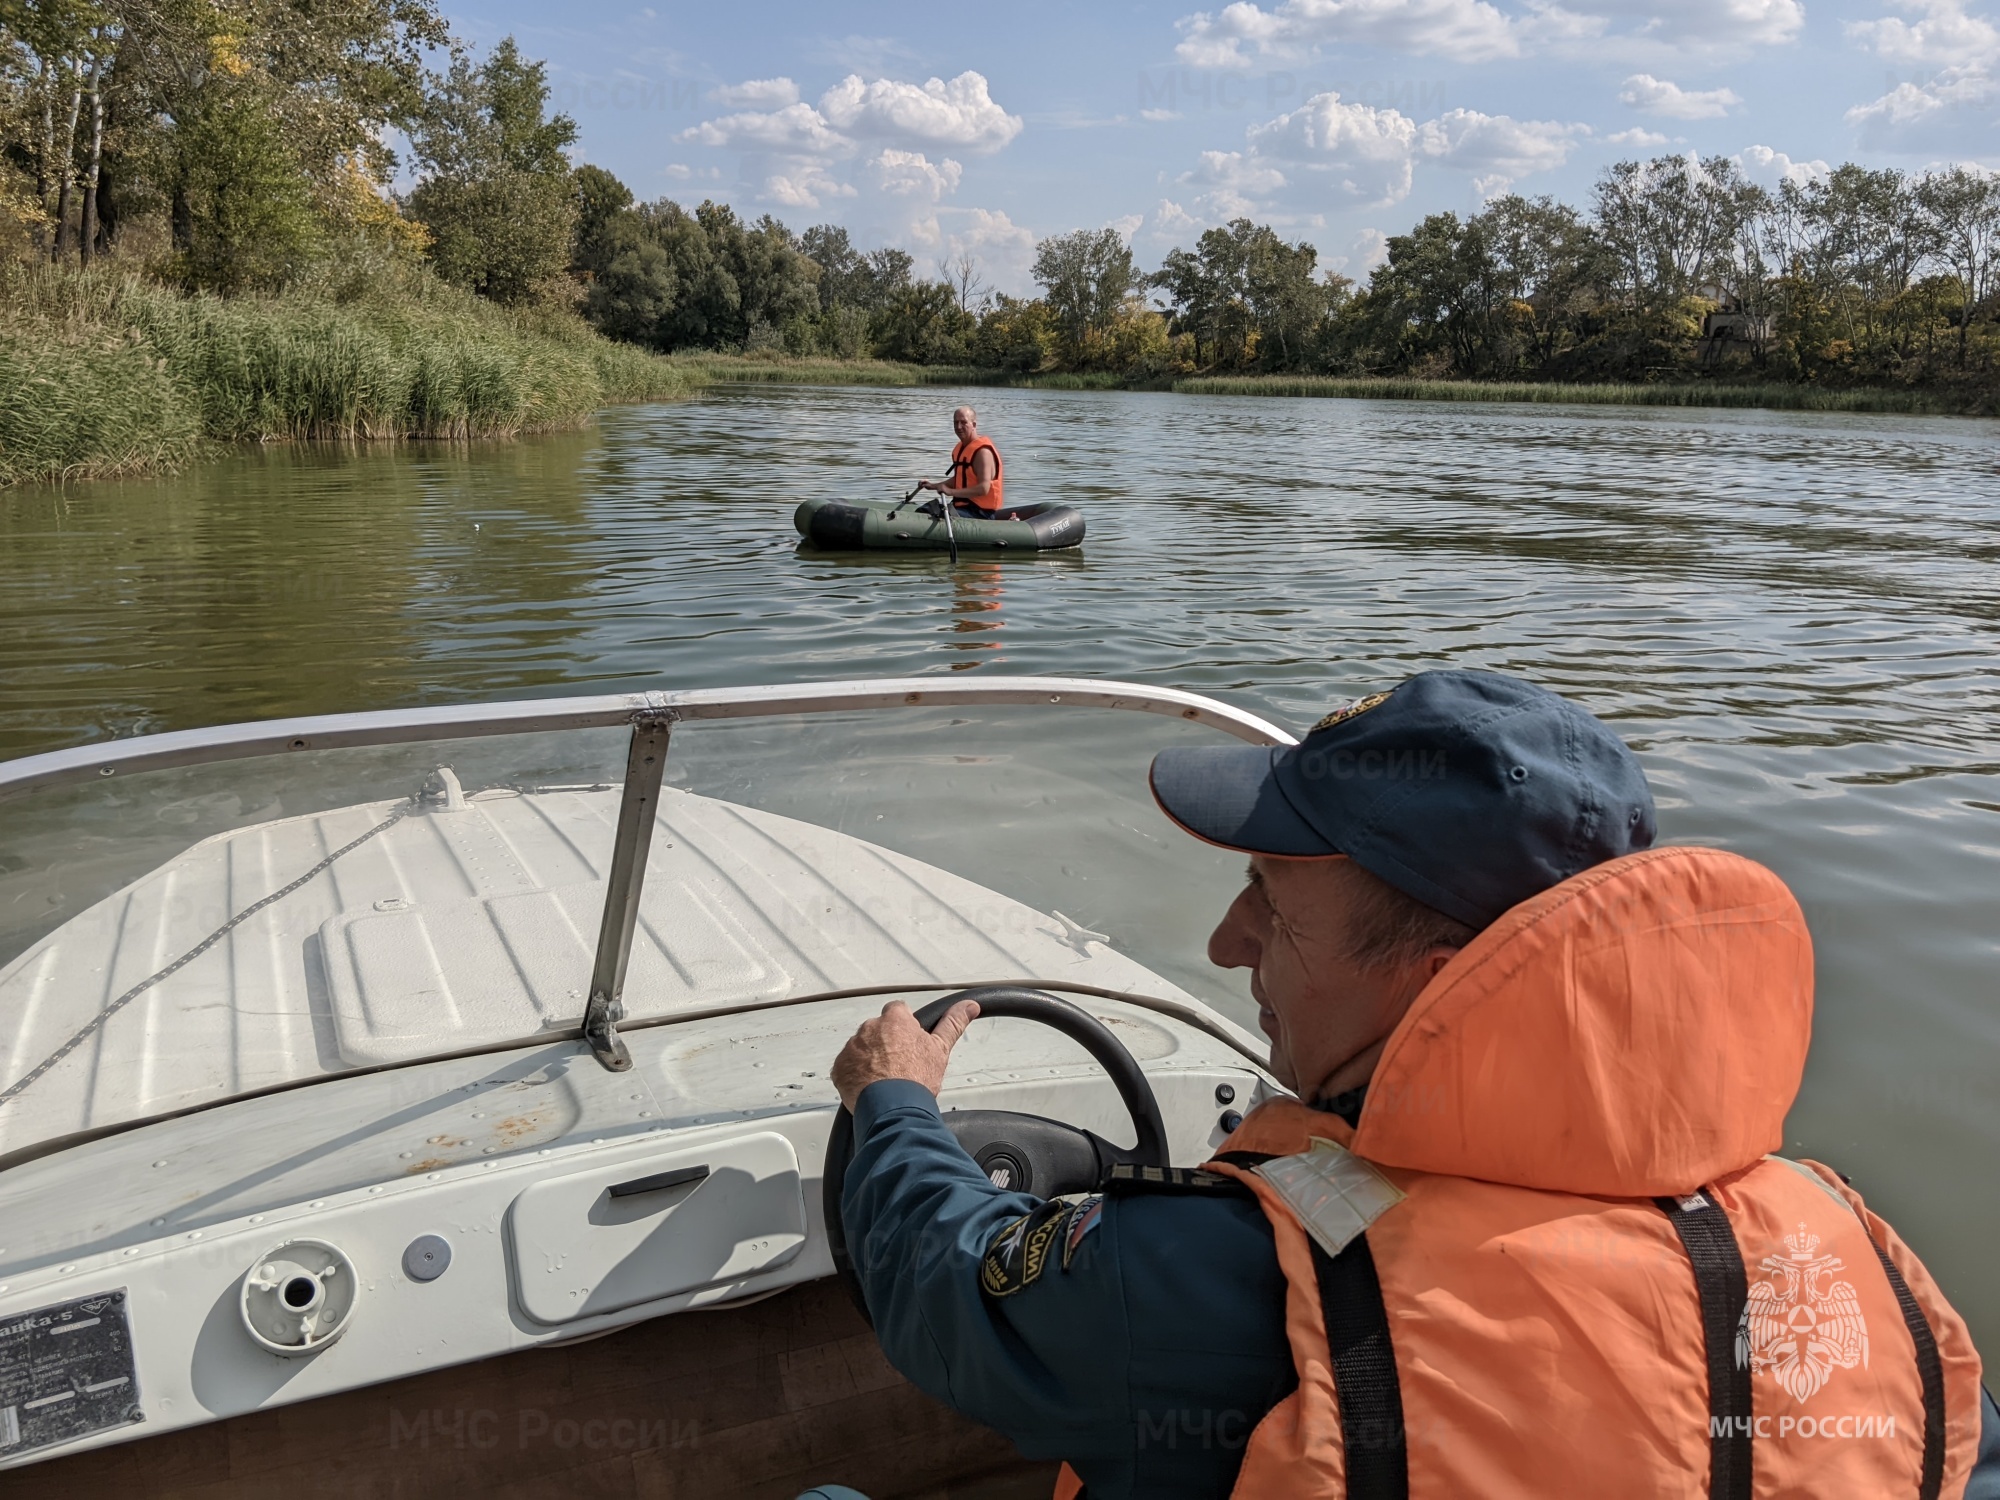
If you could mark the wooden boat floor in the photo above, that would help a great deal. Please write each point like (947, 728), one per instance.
(752, 1403)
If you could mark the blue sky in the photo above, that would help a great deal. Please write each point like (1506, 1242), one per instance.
(948, 129)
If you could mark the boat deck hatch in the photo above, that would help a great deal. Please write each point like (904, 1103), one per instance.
(654, 1226)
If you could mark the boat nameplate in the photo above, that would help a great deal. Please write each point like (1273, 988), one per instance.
(580, 1249)
(66, 1371)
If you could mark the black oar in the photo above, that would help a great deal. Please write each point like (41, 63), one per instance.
(949, 535)
(944, 504)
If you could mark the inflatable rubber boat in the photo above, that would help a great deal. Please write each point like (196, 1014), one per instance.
(848, 525)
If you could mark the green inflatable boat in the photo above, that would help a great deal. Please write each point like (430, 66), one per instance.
(846, 525)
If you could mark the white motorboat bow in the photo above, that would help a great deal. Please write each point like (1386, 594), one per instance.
(308, 1123)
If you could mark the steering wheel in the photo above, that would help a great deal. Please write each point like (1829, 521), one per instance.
(1021, 1152)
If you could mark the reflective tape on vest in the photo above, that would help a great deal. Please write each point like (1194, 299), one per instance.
(1335, 1193)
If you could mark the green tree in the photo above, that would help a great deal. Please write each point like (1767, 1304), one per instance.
(329, 81)
(1961, 214)
(243, 207)
(497, 195)
(924, 325)
(1244, 295)
(1545, 258)
(1085, 277)
(601, 201)
(1205, 289)
(1016, 334)
(1673, 225)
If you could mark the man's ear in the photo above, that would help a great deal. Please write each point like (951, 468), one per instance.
(1436, 959)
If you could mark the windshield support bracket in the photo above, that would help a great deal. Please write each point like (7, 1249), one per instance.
(638, 810)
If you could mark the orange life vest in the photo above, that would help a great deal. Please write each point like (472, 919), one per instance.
(1592, 1278)
(963, 474)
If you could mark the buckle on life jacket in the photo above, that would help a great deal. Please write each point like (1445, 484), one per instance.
(1335, 1193)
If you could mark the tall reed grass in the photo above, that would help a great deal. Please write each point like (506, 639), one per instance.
(109, 373)
(1776, 397)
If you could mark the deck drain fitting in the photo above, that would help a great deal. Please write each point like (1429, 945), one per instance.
(299, 1298)
(426, 1257)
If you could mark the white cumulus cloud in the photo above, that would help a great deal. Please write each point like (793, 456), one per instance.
(1231, 183)
(1957, 107)
(1657, 96)
(1364, 151)
(1942, 36)
(1955, 110)
(1645, 140)
(1497, 149)
(959, 113)
(1005, 250)
(797, 128)
(1463, 30)
(1481, 31)
(1763, 165)
(880, 133)
(758, 93)
(1329, 148)
(911, 174)
(805, 187)
(1701, 25)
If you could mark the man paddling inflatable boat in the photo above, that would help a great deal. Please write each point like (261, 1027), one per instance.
(1520, 1233)
(975, 486)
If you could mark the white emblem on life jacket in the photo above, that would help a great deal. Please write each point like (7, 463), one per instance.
(1798, 1326)
(1335, 1193)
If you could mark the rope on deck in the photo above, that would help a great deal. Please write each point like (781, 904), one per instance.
(96, 1023)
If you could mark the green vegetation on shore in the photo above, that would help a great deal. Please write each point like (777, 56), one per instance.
(1768, 395)
(727, 369)
(751, 369)
(106, 373)
(199, 244)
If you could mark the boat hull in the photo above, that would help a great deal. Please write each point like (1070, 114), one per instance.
(758, 1402)
(867, 525)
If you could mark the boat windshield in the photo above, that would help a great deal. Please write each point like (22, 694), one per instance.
(176, 935)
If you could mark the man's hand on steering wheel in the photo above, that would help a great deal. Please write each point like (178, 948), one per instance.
(894, 1045)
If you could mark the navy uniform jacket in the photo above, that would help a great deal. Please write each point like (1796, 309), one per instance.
(1140, 1338)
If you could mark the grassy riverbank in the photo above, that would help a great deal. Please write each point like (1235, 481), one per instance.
(1770, 396)
(760, 369)
(756, 369)
(109, 374)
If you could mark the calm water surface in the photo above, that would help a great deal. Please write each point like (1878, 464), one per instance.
(1794, 619)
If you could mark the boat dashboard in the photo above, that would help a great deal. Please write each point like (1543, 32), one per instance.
(322, 1238)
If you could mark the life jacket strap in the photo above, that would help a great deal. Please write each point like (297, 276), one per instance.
(1365, 1381)
(1724, 1288)
(1930, 1370)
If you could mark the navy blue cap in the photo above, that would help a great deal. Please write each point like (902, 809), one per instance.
(1470, 791)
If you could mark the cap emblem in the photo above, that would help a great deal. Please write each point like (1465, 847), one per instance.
(1342, 715)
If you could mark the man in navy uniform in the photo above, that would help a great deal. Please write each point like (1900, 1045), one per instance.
(1146, 1338)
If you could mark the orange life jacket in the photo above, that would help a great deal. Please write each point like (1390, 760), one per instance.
(1588, 1276)
(963, 475)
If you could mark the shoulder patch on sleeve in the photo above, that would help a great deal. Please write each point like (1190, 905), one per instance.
(1085, 1216)
(1019, 1253)
(1125, 1182)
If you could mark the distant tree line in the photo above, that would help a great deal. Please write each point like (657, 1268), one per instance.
(238, 148)
(1681, 266)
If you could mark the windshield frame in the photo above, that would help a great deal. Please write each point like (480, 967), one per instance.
(650, 716)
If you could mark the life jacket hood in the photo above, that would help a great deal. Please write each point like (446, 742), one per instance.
(1639, 1029)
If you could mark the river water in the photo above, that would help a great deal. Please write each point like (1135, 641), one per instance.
(1794, 618)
